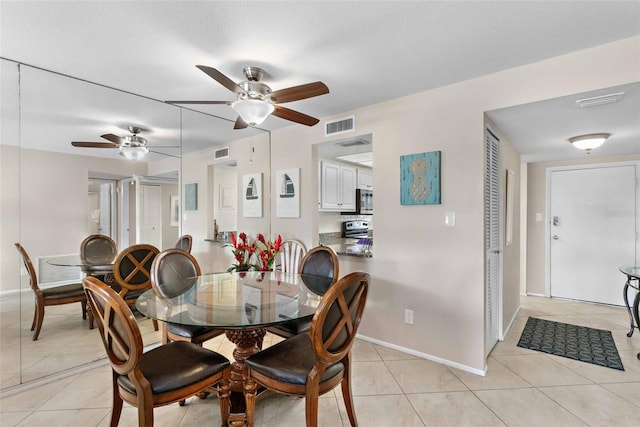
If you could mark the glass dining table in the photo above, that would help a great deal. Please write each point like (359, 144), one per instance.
(244, 304)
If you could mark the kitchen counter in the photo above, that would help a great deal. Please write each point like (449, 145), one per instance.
(345, 246)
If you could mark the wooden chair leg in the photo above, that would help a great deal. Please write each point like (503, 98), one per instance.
(35, 316)
(224, 394)
(348, 397)
(117, 402)
(83, 306)
(40, 318)
(250, 387)
(311, 408)
(155, 325)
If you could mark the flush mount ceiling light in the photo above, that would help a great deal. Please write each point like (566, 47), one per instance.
(589, 142)
(132, 152)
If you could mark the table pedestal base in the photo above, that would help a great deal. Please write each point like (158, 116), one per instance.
(248, 341)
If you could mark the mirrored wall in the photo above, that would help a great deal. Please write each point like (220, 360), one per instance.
(55, 194)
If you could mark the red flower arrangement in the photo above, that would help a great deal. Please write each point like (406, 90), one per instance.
(244, 252)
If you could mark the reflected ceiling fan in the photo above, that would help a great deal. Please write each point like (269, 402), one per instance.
(133, 147)
(255, 100)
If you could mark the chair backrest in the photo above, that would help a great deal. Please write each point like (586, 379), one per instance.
(173, 272)
(33, 279)
(184, 242)
(118, 327)
(98, 249)
(132, 268)
(321, 261)
(337, 318)
(291, 253)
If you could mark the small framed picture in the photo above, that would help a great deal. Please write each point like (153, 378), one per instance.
(175, 211)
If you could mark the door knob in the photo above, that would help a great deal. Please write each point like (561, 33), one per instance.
(555, 237)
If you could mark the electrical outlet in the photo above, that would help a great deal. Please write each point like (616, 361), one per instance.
(408, 316)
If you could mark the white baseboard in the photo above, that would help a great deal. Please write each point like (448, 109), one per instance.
(513, 319)
(481, 372)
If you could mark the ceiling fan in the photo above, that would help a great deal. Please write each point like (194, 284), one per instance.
(133, 147)
(255, 100)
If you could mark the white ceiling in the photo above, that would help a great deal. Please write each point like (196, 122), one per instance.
(366, 52)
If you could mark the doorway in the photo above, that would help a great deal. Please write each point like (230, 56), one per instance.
(102, 207)
(592, 230)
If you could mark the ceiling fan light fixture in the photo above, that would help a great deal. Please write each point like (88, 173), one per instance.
(589, 142)
(253, 111)
(134, 153)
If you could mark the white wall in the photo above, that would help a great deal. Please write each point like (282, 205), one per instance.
(419, 264)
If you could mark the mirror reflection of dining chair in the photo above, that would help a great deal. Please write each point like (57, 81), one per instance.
(54, 295)
(132, 272)
(322, 267)
(291, 253)
(97, 252)
(161, 376)
(173, 273)
(184, 242)
(313, 363)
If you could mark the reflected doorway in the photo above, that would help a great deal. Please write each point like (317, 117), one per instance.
(102, 207)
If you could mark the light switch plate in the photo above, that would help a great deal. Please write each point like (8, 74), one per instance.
(450, 219)
(538, 216)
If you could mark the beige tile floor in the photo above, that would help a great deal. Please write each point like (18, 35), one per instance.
(522, 388)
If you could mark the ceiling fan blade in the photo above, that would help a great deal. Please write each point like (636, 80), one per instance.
(297, 93)
(113, 138)
(294, 116)
(240, 124)
(94, 144)
(222, 79)
(200, 102)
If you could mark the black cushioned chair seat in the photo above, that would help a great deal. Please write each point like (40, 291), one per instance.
(65, 291)
(290, 361)
(295, 327)
(189, 364)
(189, 331)
(98, 269)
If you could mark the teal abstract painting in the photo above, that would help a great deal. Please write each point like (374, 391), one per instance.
(191, 197)
(420, 179)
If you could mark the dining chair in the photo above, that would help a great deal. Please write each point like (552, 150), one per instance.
(313, 363)
(132, 272)
(98, 249)
(184, 242)
(173, 272)
(291, 253)
(164, 375)
(54, 295)
(321, 261)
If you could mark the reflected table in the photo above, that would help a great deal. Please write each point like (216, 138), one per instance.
(89, 267)
(244, 304)
(633, 282)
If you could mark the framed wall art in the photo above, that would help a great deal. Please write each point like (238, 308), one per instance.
(252, 195)
(288, 193)
(174, 203)
(420, 179)
(191, 197)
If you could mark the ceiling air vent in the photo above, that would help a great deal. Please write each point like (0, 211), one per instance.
(340, 126)
(353, 143)
(221, 153)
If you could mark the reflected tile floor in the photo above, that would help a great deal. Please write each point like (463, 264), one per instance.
(522, 387)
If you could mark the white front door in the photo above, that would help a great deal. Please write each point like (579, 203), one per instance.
(592, 231)
(151, 215)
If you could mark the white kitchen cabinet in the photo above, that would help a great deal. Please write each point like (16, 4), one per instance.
(365, 179)
(338, 187)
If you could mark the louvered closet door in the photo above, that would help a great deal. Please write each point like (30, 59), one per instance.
(493, 256)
